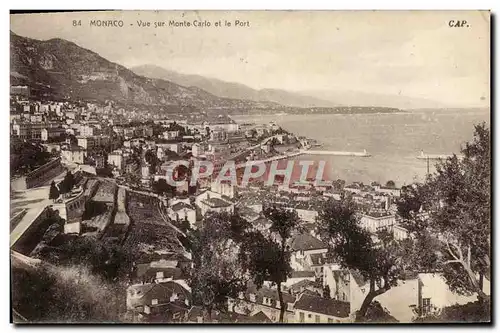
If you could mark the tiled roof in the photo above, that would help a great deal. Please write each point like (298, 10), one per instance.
(304, 242)
(147, 272)
(304, 284)
(329, 307)
(302, 274)
(181, 205)
(216, 202)
(261, 318)
(269, 293)
(160, 291)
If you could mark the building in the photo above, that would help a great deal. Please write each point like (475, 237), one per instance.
(264, 300)
(393, 191)
(223, 188)
(215, 205)
(226, 125)
(298, 276)
(20, 91)
(197, 150)
(306, 251)
(89, 130)
(165, 301)
(313, 287)
(376, 221)
(33, 131)
(145, 171)
(315, 309)
(92, 142)
(416, 294)
(52, 133)
(40, 176)
(100, 161)
(74, 154)
(170, 135)
(183, 211)
(115, 159)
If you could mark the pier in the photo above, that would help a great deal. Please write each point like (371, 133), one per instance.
(423, 156)
(335, 153)
(304, 152)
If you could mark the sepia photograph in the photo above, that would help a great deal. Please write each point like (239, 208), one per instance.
(250, 167)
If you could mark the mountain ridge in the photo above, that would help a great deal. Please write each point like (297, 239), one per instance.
(235, 90)
(308, 98)
(63, 69)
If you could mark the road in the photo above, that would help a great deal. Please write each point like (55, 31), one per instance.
(34, 200)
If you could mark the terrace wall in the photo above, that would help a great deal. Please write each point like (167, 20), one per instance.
(34, 233)
(44, 173)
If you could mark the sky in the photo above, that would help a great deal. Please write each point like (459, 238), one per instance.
(415, 54)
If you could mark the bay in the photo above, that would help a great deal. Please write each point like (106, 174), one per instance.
(393, 140)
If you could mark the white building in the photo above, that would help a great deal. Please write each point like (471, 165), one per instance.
(116, 159)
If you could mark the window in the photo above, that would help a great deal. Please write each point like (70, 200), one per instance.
(309, 316)
(316, 318)
(426, 306)
(154, 301)
(330, 320)
(301, 317)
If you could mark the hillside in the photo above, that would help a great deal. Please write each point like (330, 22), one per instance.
(231, 89)
(62, 69)
(301, 99)
(359, 98)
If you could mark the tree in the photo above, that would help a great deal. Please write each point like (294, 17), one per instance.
(132, 178)
(390, 184)
(67, 183)
(377, 260)
(326, 292)
(162, 187)
(53, 192)
(456, 200)
(65, 294)
(338, 184)
(268, 258)
(107, 260)
(151, 158)
(217, 271)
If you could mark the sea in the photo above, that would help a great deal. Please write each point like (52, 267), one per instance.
(393, 140)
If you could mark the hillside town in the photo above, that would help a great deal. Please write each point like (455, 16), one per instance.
(92, 196)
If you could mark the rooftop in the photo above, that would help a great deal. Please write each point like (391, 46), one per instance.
(304, 242)
(216, 203)
(180, 205)
(329, 307)
(302, 274)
